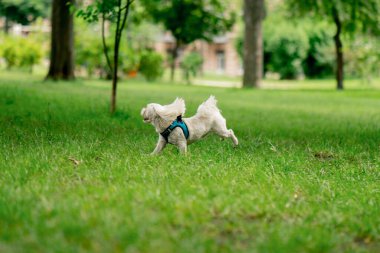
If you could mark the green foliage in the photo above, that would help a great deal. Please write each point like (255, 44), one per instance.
(287, 46)
(73, 179)
(362, 58)
(151, 65)
(89, 53)
(190, 20)
(143, 35)
(10, 52)
(191, 65)
(319, 61)
(24, 11)
(239, 45)
(31, 53)
(114, 11)
(88, 47)
(129, 59)
(355, 15)
(294, 47)
(91, 13)
(21, 52)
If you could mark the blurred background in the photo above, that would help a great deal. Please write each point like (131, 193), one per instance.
(197, 42)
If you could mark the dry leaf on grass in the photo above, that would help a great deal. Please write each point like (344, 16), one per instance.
(75, 161)
(323, 155)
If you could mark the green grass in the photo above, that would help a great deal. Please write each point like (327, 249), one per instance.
(304, 179)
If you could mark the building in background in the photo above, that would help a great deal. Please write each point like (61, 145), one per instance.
(42, 26)
(219, 56)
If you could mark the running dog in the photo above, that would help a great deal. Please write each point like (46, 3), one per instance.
(173, 129)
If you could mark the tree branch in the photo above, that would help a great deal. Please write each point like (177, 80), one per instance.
(117, 41)
(337, 21)
(126, 8)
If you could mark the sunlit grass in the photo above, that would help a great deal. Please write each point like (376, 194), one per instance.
(74, 179)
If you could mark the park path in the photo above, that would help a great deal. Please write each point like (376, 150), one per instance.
(213, 83)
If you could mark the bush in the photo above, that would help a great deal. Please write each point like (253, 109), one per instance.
(130, 59)
(89, 54)
(10, 53)
(295, 49)
(286, 47)
(320, 58)
(21, 52)
(31, 54)
(191, 64)
(362, 58)
(151, 65)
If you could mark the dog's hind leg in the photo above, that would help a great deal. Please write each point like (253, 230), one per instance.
(220, 129)
(228, 133)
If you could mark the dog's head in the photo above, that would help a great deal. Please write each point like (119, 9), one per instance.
(149, 113)
(166, 112)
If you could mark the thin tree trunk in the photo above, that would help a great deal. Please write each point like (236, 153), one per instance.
(339, 51)
(253, 43)
(114, 81)
(115, 60)
(174, 59)
(62, 42)
(120, 24)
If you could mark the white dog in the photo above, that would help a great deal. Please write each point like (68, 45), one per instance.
(171, 128)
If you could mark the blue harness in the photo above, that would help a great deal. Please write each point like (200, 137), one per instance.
(176, 123)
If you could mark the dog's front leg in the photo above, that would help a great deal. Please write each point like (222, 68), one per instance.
(182, 146)
(160, 146)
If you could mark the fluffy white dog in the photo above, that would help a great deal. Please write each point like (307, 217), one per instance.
(171, 128)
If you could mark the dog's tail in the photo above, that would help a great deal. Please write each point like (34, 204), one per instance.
(208, 107)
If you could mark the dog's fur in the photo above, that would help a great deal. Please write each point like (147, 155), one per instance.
(207, 119)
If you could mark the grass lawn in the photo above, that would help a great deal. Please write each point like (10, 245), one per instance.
(306, 177)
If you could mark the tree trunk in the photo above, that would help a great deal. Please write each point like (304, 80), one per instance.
(253, 43)
(174, 58)
(339, 50)
(6, 25)
(62, 42)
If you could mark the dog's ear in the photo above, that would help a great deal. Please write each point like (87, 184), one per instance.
(160, 110)
(171, 111)
(179, 105)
